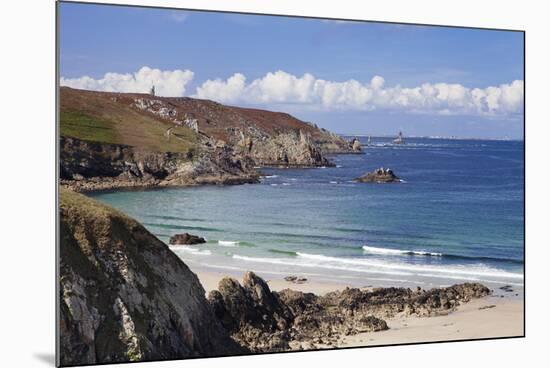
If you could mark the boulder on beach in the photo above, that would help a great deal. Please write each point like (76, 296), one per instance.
(381, 175)
(186, 239)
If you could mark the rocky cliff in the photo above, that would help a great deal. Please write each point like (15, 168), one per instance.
(111, 140)
(124, 296)
(87, 165)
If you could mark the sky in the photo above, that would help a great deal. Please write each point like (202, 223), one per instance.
(349, 77)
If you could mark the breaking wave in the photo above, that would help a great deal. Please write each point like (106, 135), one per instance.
(194, 251)
(400, 252)
(228, 243)
(376, 250)
(471, 272)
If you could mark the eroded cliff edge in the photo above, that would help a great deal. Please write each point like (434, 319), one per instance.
(114, 140)
(124, 296)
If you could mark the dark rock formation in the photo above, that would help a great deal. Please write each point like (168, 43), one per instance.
(254, 315)
(387, 302)
(380, 175)
(264, 321)
(186, 239)
(355, 145)
(89, 165)
(124, 296)
(296, 279)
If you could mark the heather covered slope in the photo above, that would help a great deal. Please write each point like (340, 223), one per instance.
(111, 140)
(124, 296)
(127, 113)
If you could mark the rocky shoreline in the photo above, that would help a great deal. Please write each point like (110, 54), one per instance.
(266, 321)
(180, 142)
(125, 296)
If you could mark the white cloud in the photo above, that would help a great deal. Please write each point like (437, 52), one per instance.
(223, 91)
(443, 98)
(314, 93)
(167, 83)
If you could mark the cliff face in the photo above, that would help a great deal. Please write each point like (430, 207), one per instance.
(118, 139)
(124, 296)
(89, 165)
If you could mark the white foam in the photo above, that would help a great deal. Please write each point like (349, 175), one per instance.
(471, 272)
(271, 176)
(381, 250)
(228, 243)
(285, 262)
(194, 251)
(376, 250)
(439, 271)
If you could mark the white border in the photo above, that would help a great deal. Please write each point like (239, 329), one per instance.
(27, 164)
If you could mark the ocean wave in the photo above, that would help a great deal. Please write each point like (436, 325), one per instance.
(194, 251)
(389, 251)
(376, 250)
(464, 270)
(176, 218)
(472, 272)
(181, 227)
(287, 252)
(228, 243)
(289, 262)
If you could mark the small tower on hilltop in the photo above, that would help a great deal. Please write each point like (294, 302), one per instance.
(152, 90)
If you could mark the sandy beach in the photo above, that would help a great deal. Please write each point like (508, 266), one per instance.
(497, 315)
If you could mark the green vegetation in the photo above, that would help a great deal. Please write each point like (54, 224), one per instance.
(79, 125)
(98, 118)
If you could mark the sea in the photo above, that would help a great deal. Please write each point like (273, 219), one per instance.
(456, 216)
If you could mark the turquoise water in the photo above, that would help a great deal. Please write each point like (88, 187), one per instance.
(457, 216)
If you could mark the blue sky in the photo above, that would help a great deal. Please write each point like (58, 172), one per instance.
(320, 71)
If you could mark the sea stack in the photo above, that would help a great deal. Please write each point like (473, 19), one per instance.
(355, 145)
(381, 175)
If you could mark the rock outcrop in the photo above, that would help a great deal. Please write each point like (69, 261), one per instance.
(355, 145)
(289, 149)
(186, 239)
(89, 165)
(266, 321)
(380, 175)
(124, 296)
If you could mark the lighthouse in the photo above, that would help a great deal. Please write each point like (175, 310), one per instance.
(152, 90)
